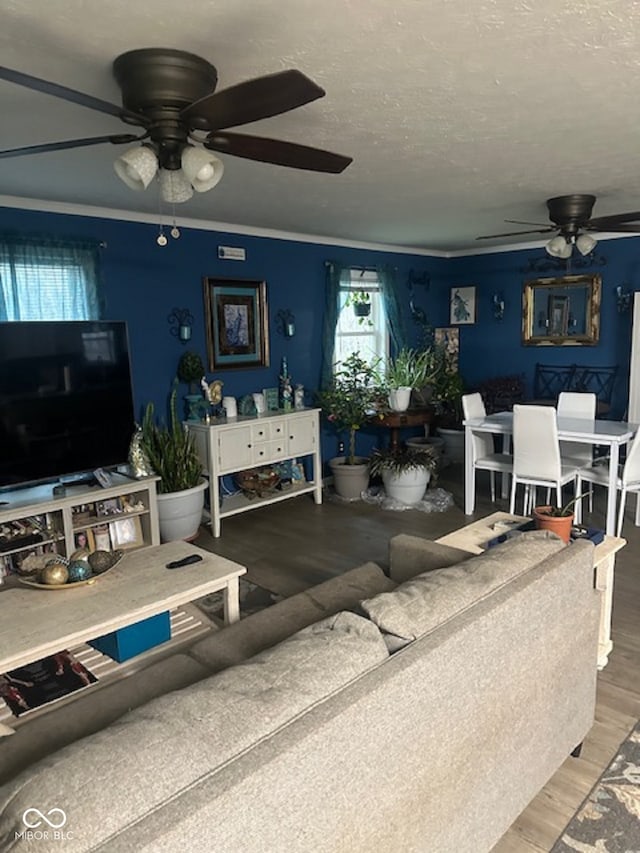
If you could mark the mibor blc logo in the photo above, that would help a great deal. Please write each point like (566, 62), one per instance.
(44, 825)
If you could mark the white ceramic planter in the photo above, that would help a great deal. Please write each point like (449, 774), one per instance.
(408, 487)
(350, 481)
(180, 513)
(399, 399)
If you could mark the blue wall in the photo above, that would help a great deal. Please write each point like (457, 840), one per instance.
(142, 283)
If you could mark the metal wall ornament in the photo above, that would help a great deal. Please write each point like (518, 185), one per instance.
(562, 311)
(181, 321)
(285, 323)
(623, 299)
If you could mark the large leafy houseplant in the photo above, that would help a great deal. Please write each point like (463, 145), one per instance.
(350, 398)
(403, 458)
(411, 368)
(170, 450)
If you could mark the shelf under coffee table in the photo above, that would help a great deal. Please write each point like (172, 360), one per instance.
(35, 623)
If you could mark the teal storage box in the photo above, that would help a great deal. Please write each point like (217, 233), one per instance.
(128, 642)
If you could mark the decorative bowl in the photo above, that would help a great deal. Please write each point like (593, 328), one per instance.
(257, 481)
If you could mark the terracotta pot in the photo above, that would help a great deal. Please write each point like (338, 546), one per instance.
(560, 524)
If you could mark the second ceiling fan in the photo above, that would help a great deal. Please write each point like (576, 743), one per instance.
(571, 218)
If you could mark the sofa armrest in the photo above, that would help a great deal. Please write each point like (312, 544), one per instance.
(412, 555)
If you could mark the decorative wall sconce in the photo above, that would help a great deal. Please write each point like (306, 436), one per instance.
(286, 323)
(498, 306)
(181, 321)
(623, 299)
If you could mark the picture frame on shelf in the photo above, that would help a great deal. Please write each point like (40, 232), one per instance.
(84, 539)
(126, 532)
(271, 399)
(462, 306)
(108, 507)
(236, 321)
(101, 538)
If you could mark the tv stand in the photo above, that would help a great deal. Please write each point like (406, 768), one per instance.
(38, 521)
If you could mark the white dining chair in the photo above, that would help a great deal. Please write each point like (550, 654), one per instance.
(485, 457)
(536, 455)
(628, 480)
(580, 405)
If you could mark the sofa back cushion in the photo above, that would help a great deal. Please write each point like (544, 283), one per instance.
(421, 604)
(108, 781)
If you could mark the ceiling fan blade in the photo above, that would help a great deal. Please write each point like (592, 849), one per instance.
(517, 233)
(274, 151)
(602, 222)
(622, 228)
(119, 139)
(523, 222)
(58, 91)
(253, 100)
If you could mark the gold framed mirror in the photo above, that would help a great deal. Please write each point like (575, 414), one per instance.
(561, 311)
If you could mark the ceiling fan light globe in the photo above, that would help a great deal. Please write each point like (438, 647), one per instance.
(201, 168)
(174, 186)
(137, 167)
(586, 244)
(558, 247)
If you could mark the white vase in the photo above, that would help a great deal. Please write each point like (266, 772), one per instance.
(180, 513)
(409, 486)
(399, 399)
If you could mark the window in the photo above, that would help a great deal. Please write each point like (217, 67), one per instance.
(364, 334)
(41, 280)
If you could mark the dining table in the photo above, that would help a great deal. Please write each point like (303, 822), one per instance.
(601, 433)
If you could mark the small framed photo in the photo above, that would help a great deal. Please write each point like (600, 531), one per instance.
(463, 306)
(85, 539)
(101, 538)
(126, 532)
(270, 399)
(112, 506)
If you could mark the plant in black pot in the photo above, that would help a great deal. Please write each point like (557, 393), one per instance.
(406, 471)
(172, 453)
(191, 370)
(348, 402)
(360, 301)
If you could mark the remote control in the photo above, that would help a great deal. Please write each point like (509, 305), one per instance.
(185, 561)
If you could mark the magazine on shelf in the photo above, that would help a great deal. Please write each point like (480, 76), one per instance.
(36, 684)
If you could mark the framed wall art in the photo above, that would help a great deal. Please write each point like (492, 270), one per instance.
(127, 532)
(463, 306)
(236, 323)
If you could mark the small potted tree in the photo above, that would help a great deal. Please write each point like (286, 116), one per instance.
(190, 371)
(405, 471)
(347, 403)
(172, 454)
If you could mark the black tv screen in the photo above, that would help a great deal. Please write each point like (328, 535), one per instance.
(66, 404)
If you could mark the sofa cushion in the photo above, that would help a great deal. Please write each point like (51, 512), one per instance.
(166, 746)
(238, 642)
(421, 604)
(412, 555)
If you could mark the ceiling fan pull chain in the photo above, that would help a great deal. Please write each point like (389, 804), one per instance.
(175, 231)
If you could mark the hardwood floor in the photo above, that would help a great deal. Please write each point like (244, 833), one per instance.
(290, 546)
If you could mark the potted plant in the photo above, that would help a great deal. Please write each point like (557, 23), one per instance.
(410, 370)
(190, 371)
(557, 519)
(405, 471)
(360, 301)
(173, 455)
(347, 404)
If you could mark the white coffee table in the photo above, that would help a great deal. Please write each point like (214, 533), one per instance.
(35, 623)
(474, 537)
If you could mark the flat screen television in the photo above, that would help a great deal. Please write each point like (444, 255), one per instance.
(66, 403)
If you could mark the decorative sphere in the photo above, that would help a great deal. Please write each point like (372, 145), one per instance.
(79, 570)
(80, 554)
(101, 561)
(54, 573)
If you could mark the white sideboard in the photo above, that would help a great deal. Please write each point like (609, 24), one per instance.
(237, 444)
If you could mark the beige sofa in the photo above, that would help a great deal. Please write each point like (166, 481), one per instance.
(426, 720)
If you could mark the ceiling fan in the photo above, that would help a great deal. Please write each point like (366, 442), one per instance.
(170, 95)
(571, 218)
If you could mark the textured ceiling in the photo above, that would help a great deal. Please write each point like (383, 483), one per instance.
(458, 114)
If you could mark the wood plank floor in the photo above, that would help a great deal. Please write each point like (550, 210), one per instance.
(290, 546)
